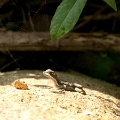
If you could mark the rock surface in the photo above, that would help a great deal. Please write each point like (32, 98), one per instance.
(43, 102)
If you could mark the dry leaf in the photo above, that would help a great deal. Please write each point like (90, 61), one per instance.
(20, 85)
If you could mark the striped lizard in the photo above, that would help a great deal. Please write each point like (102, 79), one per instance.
(63, 85)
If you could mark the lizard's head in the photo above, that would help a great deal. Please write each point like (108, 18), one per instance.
(50, 74)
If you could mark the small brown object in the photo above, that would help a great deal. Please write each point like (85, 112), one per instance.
(20, 85)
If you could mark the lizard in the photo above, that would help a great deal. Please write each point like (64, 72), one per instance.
(63, 85)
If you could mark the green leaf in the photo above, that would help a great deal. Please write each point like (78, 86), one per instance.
(65, 18)
(102, 67)
(111, 3)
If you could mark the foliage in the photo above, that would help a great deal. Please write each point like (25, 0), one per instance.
(111, 3)
(102, 67)
(67, 15)
(104, 63)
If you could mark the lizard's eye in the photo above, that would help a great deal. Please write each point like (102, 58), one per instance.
(52, 73)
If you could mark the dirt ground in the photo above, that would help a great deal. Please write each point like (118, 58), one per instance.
(43, 101)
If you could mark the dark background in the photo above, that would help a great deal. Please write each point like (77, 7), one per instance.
(15, 15)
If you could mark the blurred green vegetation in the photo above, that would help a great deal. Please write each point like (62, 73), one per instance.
(104, 63)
